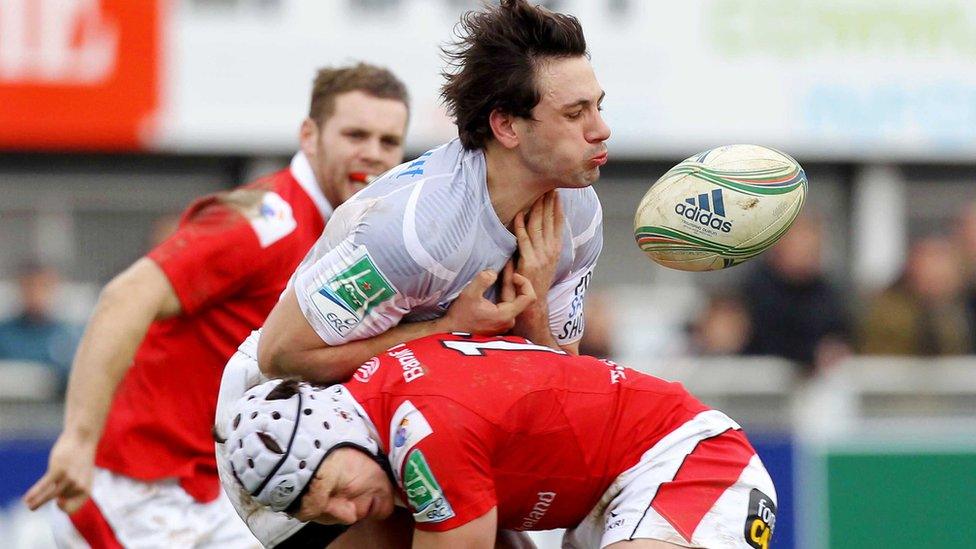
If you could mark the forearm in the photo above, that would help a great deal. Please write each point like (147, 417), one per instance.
(336, 364)
(104, 355)
(125, 309)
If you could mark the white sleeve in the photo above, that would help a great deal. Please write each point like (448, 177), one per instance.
(567, 295)
(359, 288)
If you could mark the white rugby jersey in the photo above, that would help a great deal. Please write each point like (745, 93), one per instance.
(403, 248)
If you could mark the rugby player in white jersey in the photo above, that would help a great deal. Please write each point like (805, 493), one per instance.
(515, 184)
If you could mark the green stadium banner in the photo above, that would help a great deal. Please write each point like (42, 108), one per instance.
(903, 498)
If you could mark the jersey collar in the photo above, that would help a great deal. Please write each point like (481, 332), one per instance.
(301, 170)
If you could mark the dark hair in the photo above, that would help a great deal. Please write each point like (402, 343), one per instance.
(493, 64)
(330, 82)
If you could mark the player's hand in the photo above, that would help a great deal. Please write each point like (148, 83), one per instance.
(69, 475)
(539, 247)
(540, 241)
(474, 314)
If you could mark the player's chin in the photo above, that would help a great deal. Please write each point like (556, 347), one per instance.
(587, 177)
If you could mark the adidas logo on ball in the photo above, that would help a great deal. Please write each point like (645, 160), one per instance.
(682, 221)
(705, 211)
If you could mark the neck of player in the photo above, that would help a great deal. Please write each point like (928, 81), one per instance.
(512, 187)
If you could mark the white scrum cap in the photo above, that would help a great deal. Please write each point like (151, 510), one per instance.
(281, 431)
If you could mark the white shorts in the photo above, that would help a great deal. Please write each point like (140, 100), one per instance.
(241, 374)
(125, 512)
(702, 485)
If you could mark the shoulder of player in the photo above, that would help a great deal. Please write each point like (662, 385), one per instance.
(447, 413)
(433, 171)
(281, 183)
(423, 208)
(270, 207)
(245, 199)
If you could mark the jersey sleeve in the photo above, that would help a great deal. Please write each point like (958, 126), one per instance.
(567, 294)
(441, 462)
(212, 254)
(361, 281)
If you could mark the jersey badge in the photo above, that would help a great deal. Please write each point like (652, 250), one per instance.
(424, 494)
(274, 219)
(408, 426)
(352, 293)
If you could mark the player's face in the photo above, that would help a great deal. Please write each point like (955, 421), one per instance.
(364, 135)
(348, 487)
(565, 140)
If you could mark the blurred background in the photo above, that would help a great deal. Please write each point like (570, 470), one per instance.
(845, 351)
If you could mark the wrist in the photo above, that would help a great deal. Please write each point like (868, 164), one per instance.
(82, 434)
(533, 324)
(441, 325)
(537, 315)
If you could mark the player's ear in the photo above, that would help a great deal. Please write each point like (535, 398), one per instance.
(308, 137)
(503, 128)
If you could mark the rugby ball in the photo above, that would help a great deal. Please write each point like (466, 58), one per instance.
(720, 208)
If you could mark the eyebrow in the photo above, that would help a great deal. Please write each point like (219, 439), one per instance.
(583, 102)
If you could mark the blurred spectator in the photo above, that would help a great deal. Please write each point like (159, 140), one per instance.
(598, 336)
(965, 236)
(795, 311)
(924, 312)
(721, 328)
(35, 333)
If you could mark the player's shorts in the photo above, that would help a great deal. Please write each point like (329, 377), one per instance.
(125, 512)
(702, 485)
(271, 528)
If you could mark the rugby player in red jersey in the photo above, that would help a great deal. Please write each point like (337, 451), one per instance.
(475, 434)
(134, 465)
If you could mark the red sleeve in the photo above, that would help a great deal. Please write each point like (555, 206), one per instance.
(211, 255)
(446, 477)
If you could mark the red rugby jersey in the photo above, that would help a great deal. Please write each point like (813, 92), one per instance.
(228, 269)
(489, 422)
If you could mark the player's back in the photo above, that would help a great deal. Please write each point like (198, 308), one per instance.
(545, 422)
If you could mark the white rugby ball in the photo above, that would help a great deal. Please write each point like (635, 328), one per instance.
(720, 208)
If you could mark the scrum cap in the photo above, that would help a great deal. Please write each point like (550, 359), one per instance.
(281, 431)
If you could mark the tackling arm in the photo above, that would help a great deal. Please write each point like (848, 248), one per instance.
(289, 345)
(125, 309)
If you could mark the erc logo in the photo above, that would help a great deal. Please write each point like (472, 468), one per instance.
(423, 492)
(707, 209)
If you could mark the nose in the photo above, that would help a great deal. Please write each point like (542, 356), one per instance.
(343, 511)
(600, 131)
(372, 152)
